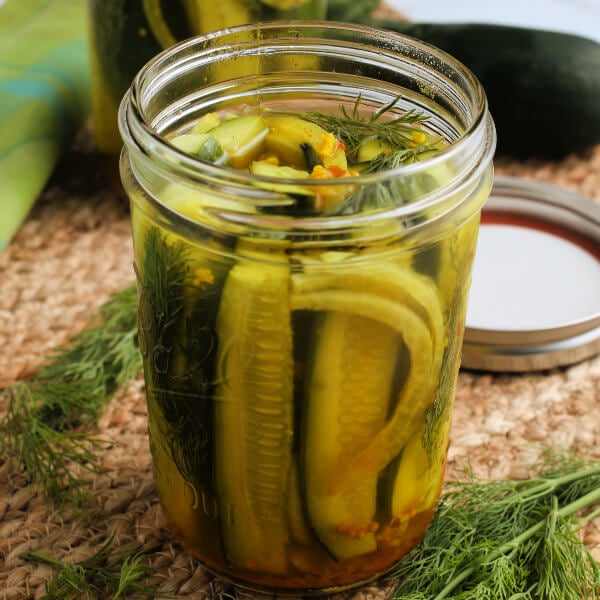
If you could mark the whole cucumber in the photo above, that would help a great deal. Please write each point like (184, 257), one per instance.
(353, 12)
(543, 87)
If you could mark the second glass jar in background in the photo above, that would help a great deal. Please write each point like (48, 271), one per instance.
(123, 36)
(300, 368)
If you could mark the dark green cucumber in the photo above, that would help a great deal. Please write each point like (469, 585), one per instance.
(543, 87)
(355, 12)
(124, 35)
(121, 41)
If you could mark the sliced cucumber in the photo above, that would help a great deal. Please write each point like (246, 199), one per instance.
(351, 435)
(202, 145)
(384, 280)
(455, 256)
(371, 148)
(196, 204)
(288, 137)
(190, 142)
(205, 123)
(301, 194)
(254, 416)
(300, 530)
(242, 138)
(413, 482)
(416, 393)
(349, 386)
(261, 167)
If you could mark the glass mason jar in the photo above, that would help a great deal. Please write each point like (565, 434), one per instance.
(301, 364)
(124, 35)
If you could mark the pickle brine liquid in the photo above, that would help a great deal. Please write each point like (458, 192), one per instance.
(275, 397)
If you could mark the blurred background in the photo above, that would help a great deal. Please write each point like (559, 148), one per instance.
(571, 16)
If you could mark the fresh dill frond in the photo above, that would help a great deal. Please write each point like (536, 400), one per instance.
(385, 194)
(399, 140)
(505, 540)
(46, 428)
(113, 574)
(353, 129)
(439, 411)
(388, 161)
(373, 196)
(177, 337)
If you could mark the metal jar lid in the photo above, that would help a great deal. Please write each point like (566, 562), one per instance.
(535, 297)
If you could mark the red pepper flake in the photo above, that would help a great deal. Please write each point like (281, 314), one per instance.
(337, 171)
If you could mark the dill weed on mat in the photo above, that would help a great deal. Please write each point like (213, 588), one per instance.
(510, 539)
(498, 539)
(49, 424)
(109, 573)
(303, 249)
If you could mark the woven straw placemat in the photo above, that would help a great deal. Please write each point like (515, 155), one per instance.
(74, 250)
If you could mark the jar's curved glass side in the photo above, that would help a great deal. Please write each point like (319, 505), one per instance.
(315, 356)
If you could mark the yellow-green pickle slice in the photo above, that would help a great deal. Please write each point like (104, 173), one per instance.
(254, 416)
(350, 382)
(354, 430)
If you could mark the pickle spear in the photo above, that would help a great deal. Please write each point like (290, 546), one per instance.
(422, 341)
(340, 474)
(350, 384)
(253, 416)
(416, 393)
(401, 285)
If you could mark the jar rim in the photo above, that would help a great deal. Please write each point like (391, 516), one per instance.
(144, 140)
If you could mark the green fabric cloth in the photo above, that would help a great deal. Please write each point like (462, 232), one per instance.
(44, 97)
